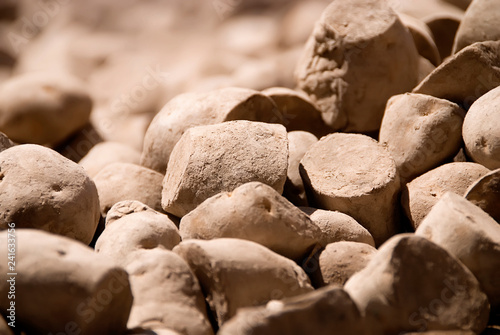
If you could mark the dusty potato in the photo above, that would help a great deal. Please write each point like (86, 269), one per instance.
(444, 27)
(5, 142)
(481, 130)
(328, 311)
(236, 273)
(217, 158)
(108, 152)
(369, 185)
(63, 286)
(125, 181)
(449, 296)
(358, 56)
(469, 234)
(422, 36)
(41, 189)
(299, 112)
(166, 293)
(421, 132)
(198, 109)
(137, 229)
(43, 108)
(254, 212)
(339, 261)
(465, 76)
(298, 144)
(478, 24)
(336, 226)
(421, 194)
(485, 194)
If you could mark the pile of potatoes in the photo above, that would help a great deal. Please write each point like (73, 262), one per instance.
(322, 167)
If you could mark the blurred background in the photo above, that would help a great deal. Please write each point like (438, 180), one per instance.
(135, 55)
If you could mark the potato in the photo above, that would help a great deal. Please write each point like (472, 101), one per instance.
(421, 194)
(338, 261)
(481, 130)
(422, 36)
(146, 229)
(41, 189)
(254, 212)
(358, 56)
(217, 158)
(449, 296)
(43, 108)
(5, 142)
(465, 76)
(470, 235)
(421, 132)
(198, 109)
(478, 24)
(305, 12)
(63, 286)
(298, 144)
(424, 68)
(299, 112)
(353, 174)
(236, 273)
(444, 27)
(327, 311)
(337, 226)
(485, 194)
(166, 293)
(125, 181)
(106, 153)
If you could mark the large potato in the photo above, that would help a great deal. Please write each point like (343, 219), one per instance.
(355, 175)
(198, 109)
(63, 286)
(412, 284)
(254, 212)
(41, 189)
(236, 273)
(358, 56)
(217, 158)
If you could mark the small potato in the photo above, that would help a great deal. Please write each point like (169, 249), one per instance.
(41, 189)
(421, 194)
(216, 158)
(299, 112)
(422, 36)
(105, 153)
(485, 194)
(236, 273)
(254, 212)
(146, 229)
(421, 132)
(63, 285)
(43, 108)
(339, 261)
(337, 226)
(481, 130)
(124, 181)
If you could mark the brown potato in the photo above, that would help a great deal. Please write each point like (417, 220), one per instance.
(236, 273)
(108, 152)
(43, 108)
(41, 189)
(217, 158)
(63, 286)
